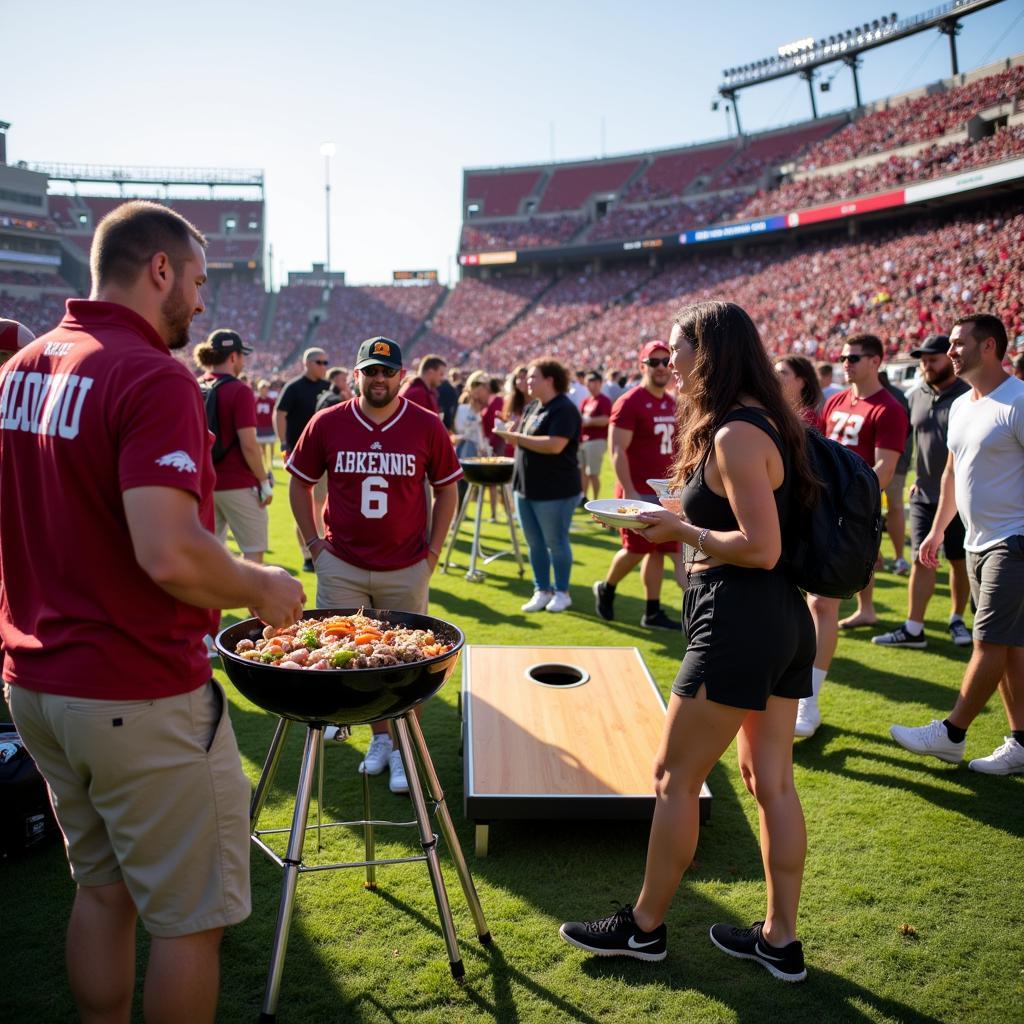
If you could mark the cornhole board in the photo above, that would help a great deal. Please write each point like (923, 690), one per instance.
(582, 748)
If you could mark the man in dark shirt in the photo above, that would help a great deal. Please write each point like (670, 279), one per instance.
(339, 390)
(293, 411)
(422, 389)
(929, 420)
(448, 399)
(895, 493)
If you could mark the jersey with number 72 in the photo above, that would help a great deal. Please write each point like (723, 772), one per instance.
(653, 424)
(376, 513)
(866, 424)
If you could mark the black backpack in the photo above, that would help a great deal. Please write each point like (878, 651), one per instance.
(209, 388)
(26, 818)
(830, 549)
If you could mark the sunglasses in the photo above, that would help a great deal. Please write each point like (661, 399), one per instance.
(850, 359)
(322, 362)
(379, 371)
(657, 362)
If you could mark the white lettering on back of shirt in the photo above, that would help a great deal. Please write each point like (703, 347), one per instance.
(43, 403)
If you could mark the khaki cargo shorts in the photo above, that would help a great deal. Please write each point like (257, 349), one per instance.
(240, 509)
(151, 793)
(341, 585)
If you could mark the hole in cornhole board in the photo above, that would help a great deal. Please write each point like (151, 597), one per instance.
(553, 673)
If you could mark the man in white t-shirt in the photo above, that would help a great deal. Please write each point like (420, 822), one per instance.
(984, 479)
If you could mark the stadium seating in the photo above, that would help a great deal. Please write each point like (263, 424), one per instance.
(499, 193)
(671, 174)
(357, 313)
(535, 232)
(570, 187)
(240, 305)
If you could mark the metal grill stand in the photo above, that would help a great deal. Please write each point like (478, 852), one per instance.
(423, 783)
(473, 574)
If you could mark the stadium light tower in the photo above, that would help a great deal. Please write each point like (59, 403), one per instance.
(327, 150)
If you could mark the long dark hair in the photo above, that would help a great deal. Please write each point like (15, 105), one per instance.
(810, 386)
(730, 362)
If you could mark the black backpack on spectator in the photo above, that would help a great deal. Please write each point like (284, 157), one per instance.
(26, 819)
(830, 549)
(209, 389)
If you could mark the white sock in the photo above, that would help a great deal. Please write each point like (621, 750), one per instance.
(817, 680)
(955, 617)
(913, 627)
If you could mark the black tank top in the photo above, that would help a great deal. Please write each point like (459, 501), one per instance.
(704, 508)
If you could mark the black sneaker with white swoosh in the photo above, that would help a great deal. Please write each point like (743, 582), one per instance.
(616, 935)
(784, 962)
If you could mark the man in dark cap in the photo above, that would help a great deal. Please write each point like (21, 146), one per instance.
(929, 420)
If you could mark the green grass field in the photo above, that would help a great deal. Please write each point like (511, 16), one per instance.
(912, 896)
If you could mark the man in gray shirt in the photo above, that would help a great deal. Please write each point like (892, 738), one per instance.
(930, 402)
(984, 477)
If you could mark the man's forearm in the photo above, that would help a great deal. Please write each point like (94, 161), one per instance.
(253, 457)
(620, 463)
(947, 502)
(300, 497)
(281, 426)
(445, 501)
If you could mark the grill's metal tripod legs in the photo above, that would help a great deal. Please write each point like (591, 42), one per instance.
(507, 503)
(448, 829)
(473, 574)
(292, 860)
(429, 843)
(273, 759)
(369, 839)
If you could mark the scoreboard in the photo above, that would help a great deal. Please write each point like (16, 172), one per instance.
(414, 275)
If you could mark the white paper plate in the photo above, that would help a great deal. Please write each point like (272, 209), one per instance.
(606, 510)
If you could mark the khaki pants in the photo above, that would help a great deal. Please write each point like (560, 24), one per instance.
(341, 585)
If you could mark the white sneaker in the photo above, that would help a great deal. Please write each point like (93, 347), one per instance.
(559, 602)
(337, 733)
(808, 717)
(211, 647)
(398, 782)
(1005, 760)
(377, 755)
(929, 739)
(539, 601)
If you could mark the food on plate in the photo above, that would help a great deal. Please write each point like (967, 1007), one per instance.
(628, 510)
(489, 459)
(341, 642)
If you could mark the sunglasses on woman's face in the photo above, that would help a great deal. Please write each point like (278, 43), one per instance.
(379, 371)
(657, 362)
(850, 359)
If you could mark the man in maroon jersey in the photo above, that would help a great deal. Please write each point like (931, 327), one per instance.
(13, 336)
(866, 418)
(596, 410)
(422, 389)
(380, 546)
(109, 570)
(642, 427)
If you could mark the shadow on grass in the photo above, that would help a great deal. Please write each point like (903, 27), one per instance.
(901, 688)
(982, 798)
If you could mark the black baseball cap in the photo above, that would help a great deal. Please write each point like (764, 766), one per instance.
(934, 345)
(224, 341)
(379, 351)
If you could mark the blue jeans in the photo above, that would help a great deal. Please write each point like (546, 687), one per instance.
(546, 528)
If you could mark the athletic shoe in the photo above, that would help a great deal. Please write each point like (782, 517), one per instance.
(604, 601)
(539, 601)
(783, 962)
(616, 935)
(559, 602)
(659, 620)
(307, 565)
(377, 755)
(1005, 760)
(901, 567)
(337, 733)
(929, 739)
(211, 647)
(960, 634)
(398, 783)
(808, 717)
(901, 637)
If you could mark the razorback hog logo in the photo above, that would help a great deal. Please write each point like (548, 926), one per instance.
(382, 348)
(179, 460)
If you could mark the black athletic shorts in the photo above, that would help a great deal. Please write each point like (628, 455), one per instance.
(750, 637)
(922, 515)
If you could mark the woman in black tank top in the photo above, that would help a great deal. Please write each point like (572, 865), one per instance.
(741, 468)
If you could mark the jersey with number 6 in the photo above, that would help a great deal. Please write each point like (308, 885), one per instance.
(866, 424)
(376, 513)
(653, 423)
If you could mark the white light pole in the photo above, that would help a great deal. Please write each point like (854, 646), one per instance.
(327, 150)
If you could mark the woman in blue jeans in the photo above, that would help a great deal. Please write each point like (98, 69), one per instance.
(547, 481)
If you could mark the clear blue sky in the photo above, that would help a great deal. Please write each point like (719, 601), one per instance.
(413, 92)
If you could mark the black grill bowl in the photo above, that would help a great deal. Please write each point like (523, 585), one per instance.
(487, 472)
(341, 696)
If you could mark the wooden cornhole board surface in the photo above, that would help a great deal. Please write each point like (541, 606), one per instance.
(532, 751)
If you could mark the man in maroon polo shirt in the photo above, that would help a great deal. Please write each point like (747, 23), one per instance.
(380, 451)
(109, 573)
(422, 389)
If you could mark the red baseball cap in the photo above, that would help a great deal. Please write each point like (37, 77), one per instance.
(650, 347)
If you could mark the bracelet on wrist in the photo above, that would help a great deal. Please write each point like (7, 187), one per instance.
(312, 541)
(700, 540)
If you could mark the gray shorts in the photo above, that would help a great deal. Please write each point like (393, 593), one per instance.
(591, 455)
(996, 576)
